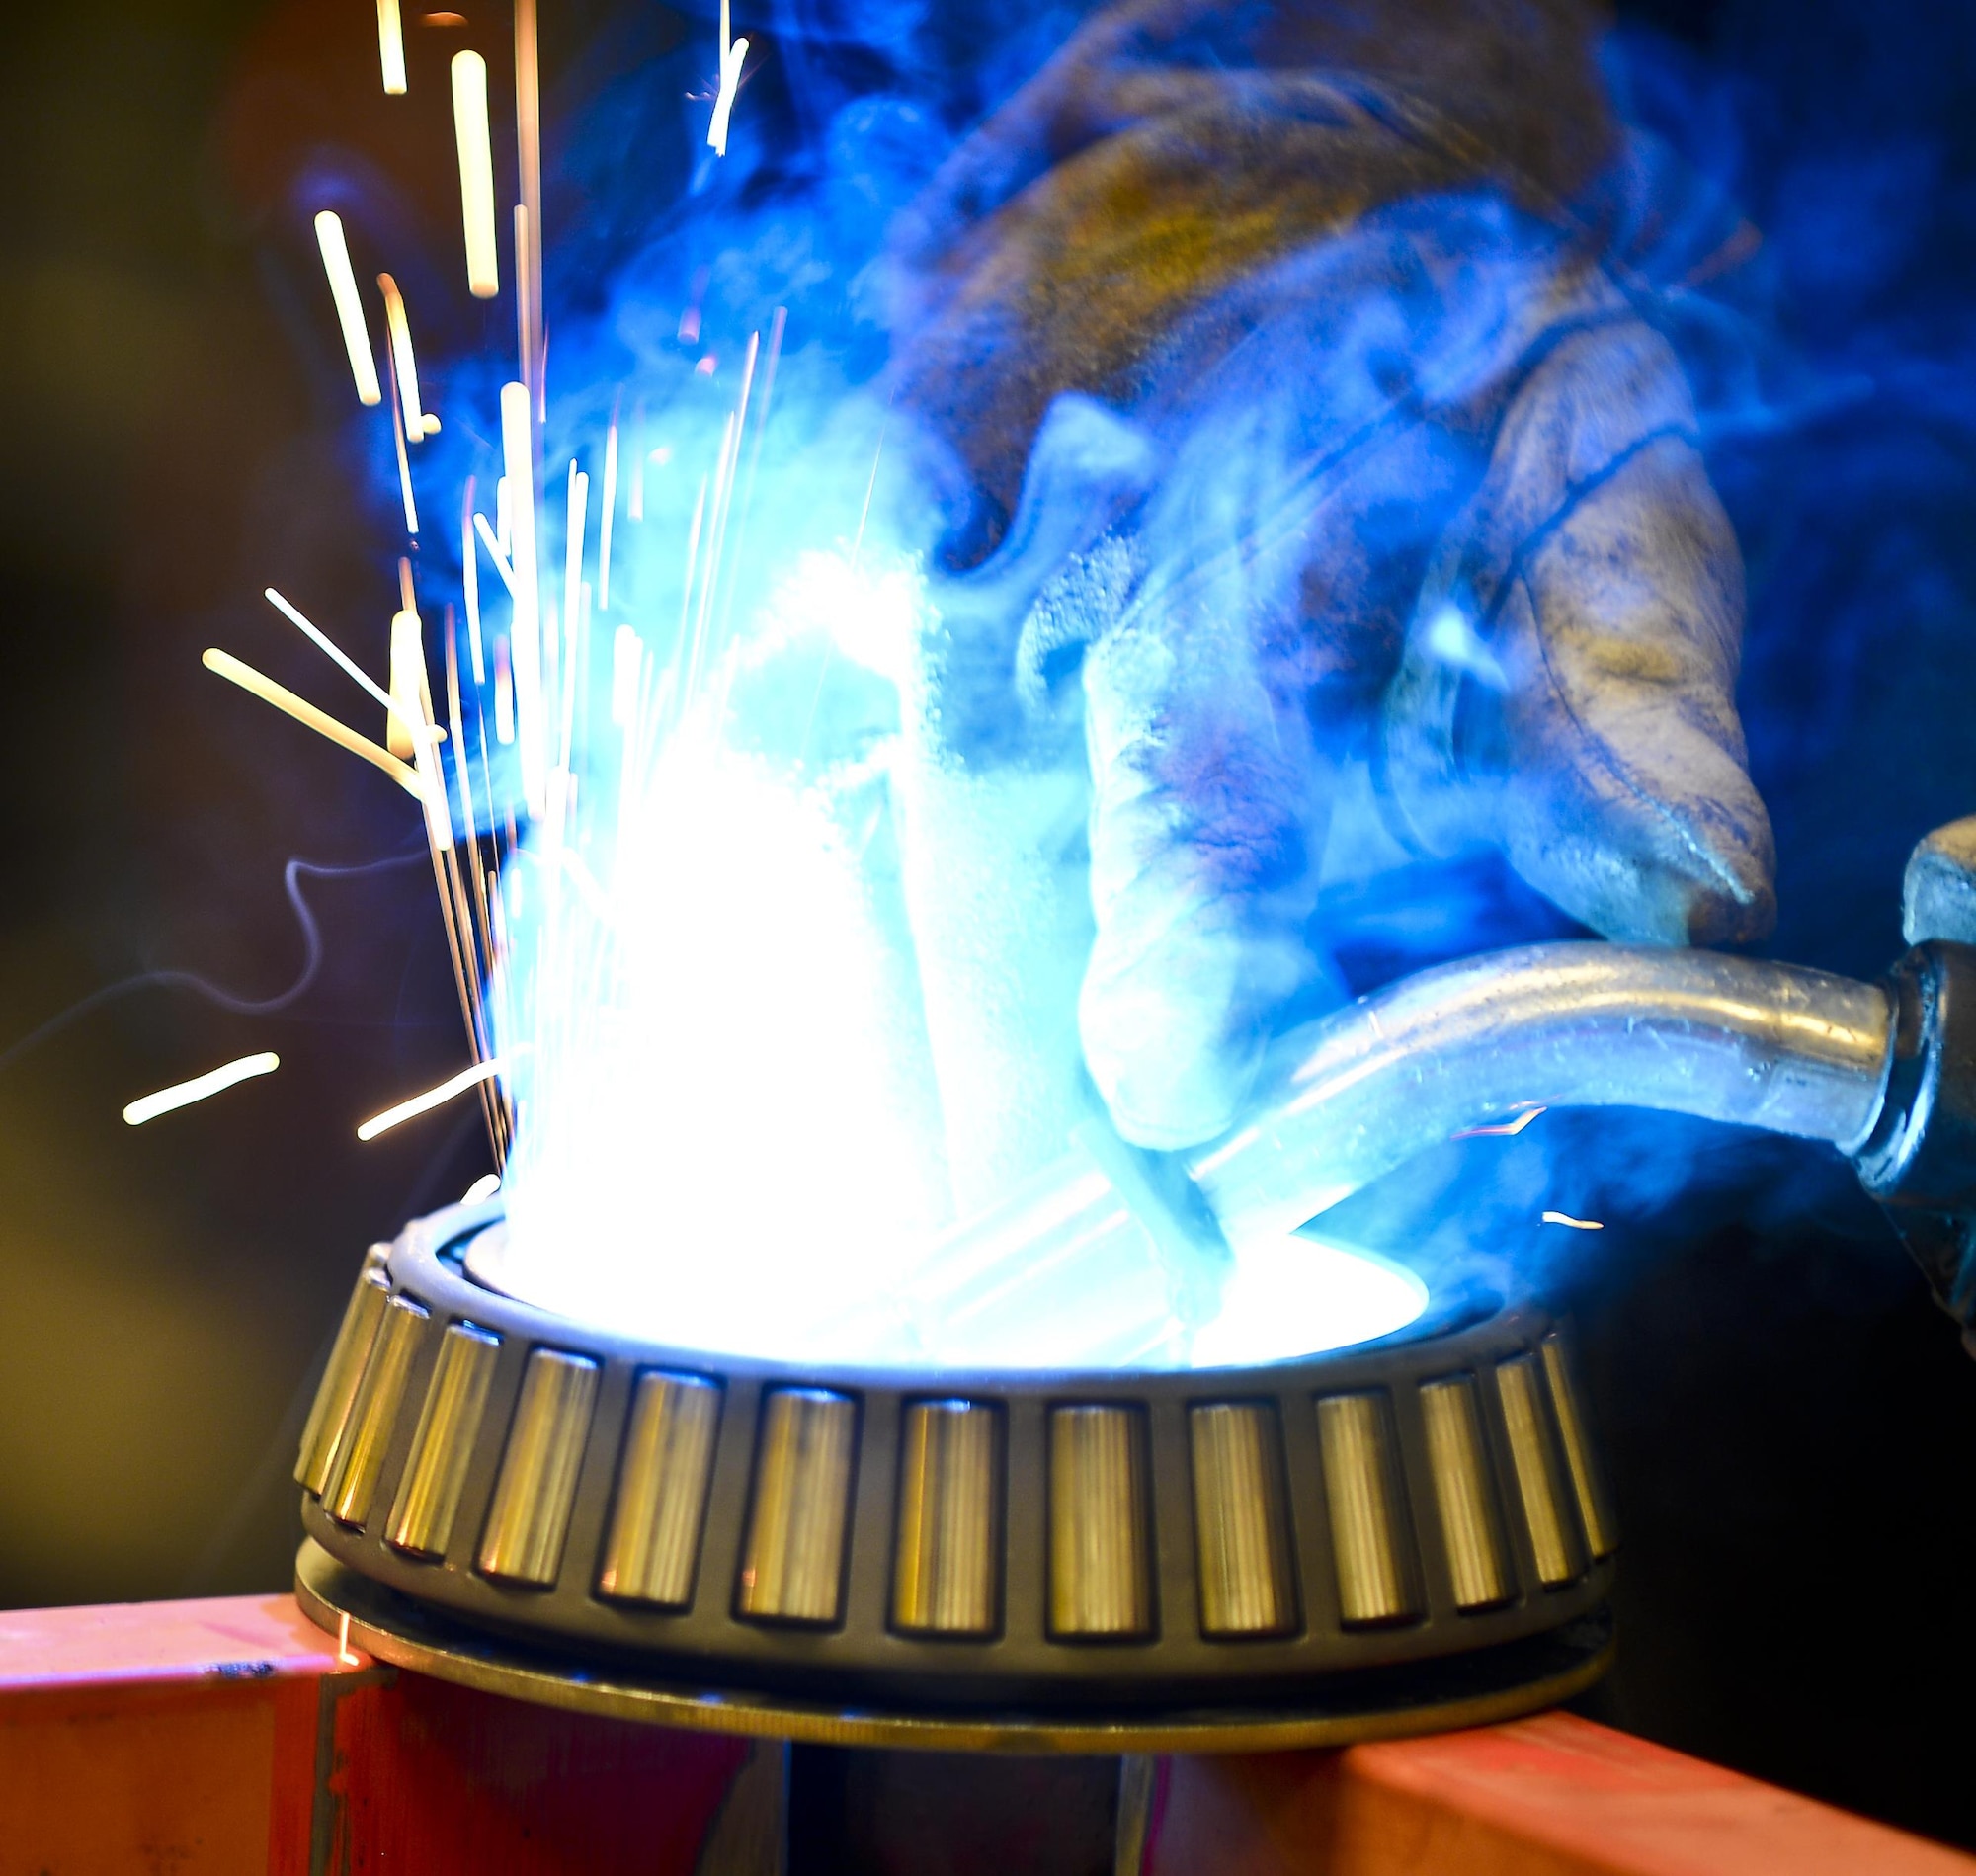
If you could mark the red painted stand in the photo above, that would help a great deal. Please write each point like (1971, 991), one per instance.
(227, 1738)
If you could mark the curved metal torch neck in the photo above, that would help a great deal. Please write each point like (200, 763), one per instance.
(1365, 1089)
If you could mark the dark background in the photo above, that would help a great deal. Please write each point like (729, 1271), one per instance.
(1791, 1422)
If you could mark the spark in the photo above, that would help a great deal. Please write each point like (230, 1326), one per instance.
(404, 462)
(529, 212)
(469, 569)
(1507, 1131)
(431, 1099)
(491, 542)
(517, 453)
(225, 665)
(628, 663)
(391, 47)
(504, 694)
(199, 1087)
(1576, 1224)
(418, 426)
(349, 306)
(731, 54)
(572, 570)
(400, 709)
(485, 1186)
(412, 692)
(476, 173)
(346, 1656)
(322, 640)
(607, 517)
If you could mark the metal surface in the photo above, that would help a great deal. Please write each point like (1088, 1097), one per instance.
(946, 1569)
(220, 1736)
(373, 1413)
(1725, 1038)
(529, 1514)
(793, 1564)
(1478, 1689)
(1464, 1495)
(443, 1442)
(654, 1541)
(1555, 1535)
(1077, 1542)
(1360, 1091)
(1100, 1584)
(1241, 1520)
(751, 1833)
(1371, 1540)
(346, 1355)
(1588, 1482)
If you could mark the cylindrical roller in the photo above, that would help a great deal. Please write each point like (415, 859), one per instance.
(442, 1443)
(373, 1414)
(1587, 1484)
(1099, 1569)
(947, 1566)
(653, 1545)
(1553, 1524)
(1240, 1520)
(1464, 1493)
(346, 1355)
(1371, 1542)
(529, 1516)
(793, 1563)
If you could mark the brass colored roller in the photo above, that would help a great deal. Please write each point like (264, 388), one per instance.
(1464, 1493)
(373, 1414)
(1553, 1525)
(536, 1487)
(654, 1543)
(1099, 1571)
(346, 1356)
(946, 1564)
(1240, 1520)
(1371, 1542)
(793, 1563)
(442, 1443)
(1595, 1507)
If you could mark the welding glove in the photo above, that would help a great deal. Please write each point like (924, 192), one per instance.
(1287, 394)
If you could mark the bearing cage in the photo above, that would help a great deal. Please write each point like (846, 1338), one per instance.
(1151, 1542)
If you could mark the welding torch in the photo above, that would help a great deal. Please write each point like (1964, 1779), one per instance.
(1885, 1073)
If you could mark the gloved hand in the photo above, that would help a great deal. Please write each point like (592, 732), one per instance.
(1287, 377)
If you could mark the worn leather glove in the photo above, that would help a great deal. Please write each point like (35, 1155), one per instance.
(1287, 380)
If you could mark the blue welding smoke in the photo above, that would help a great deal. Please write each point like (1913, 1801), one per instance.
(819, 994)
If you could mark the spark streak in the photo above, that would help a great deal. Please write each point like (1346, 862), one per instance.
(476, 174)
(418, 425)
(323, 642)
(606, 518)
(199, 1087)
(1576, 1224)
(431, 1099)
(731, 56)
(391, 47)
(469, 571)
(493, 546)
(517, 453)
(1507, 1131)
(225, 665)
(348, 306)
